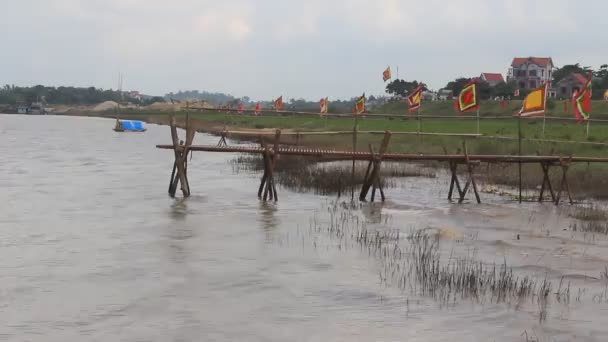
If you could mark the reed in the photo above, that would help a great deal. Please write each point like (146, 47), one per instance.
(416, 264)
(325, 177)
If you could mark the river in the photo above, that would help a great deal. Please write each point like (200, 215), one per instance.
(92, 248)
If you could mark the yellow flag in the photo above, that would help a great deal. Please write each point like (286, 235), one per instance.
(535, 103)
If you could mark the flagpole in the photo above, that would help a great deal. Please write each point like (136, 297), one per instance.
(544, 121)
(545, 107)
(477, 120)
(519, 148)
(588, 123)
(418, 115)
(352, 176)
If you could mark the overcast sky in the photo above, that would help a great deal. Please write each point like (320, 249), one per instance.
(265, 48)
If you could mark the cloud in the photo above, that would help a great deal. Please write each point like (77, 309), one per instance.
(308, 48)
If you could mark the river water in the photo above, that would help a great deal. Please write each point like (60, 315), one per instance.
(92, 248)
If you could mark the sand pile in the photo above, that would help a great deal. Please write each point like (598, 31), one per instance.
(105, 106)
(164, 106)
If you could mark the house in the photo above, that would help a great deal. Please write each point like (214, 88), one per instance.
(444, 94)
(570, 84)
(530, 72)
(493, 79)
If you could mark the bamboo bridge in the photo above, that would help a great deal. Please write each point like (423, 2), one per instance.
(271, 152)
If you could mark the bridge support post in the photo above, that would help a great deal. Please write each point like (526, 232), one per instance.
(223, 135)
(546, 166)
(268, 189)
(565, 165)
(462, 192)
(179, 175)
(372, 175)
(454, 181)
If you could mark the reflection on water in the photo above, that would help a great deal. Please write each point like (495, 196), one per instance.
(268, 216)
(91, 245)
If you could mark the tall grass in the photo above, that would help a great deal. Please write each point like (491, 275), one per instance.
(416, 264)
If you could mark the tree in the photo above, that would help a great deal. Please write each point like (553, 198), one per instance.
(456, 85)
(401, 87)
(486, 92)
(566, 70)
(505, 89)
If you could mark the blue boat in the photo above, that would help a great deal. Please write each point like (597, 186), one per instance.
(129, 126)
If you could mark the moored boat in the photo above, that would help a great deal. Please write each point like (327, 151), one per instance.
(129, 126)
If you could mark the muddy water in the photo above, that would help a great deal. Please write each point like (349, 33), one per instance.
(91, 248)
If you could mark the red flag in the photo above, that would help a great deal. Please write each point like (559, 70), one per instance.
(502, 105)
(239, 109)
(456, 105)
(278, 103)
(323, 104)
(360, 105)
(386, 75)
(414, 100)
(467, 99)
(257, 109)
(581, 102)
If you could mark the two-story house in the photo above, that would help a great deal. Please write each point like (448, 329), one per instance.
(530, 72)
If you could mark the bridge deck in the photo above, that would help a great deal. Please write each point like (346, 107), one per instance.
(317, 152)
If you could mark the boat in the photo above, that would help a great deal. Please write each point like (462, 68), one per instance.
(129, 126)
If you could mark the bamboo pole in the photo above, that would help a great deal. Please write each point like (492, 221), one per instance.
(519, 152)
(352, 176)
(477, 120)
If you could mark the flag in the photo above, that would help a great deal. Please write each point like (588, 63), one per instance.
(278, 103)
(239, 109)
(516, 93)
(467, 99)
(257, 109)
(581, 102)
(386, 75)
(502, 105)
(414, 100)
(535, 103)
(360, 105)
(323, 106)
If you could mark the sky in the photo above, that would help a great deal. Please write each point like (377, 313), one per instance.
(299, 49)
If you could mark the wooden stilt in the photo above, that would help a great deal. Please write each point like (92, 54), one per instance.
(372, 179)
(180, 161)
(565, 165)
(454, 180)
(222, 141)
(546, 182)
(471, 178)
(268, 189)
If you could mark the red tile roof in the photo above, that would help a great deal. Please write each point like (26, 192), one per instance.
(491, 77)
(540, 61)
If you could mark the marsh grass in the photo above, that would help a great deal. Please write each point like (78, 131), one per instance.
(303, 174)
(589, 219)
(415, 263)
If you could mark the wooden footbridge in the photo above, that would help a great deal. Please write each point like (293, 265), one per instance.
(271, 152)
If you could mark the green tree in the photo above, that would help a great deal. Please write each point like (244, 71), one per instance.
(566, 70)
(504, 89)
(456, 85)
(401, 87)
